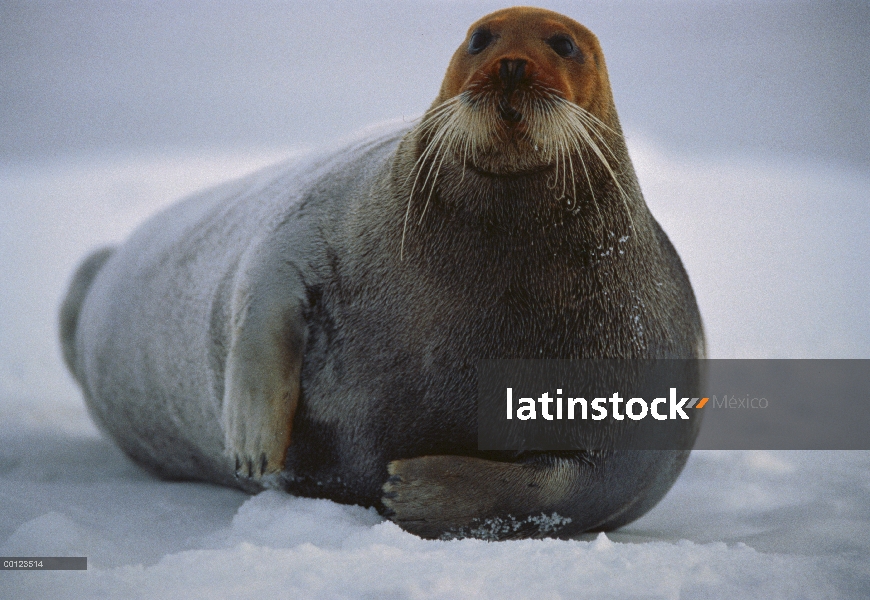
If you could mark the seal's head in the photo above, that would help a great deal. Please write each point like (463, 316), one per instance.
(526, 89)
(525, 112)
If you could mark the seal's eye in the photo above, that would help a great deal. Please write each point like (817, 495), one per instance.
(562, 45)
(480, 39)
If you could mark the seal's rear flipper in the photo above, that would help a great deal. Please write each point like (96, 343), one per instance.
(72, 304)
(262, 377)
(450, 497)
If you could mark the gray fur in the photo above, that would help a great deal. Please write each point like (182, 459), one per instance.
(286, 292)
(72, 304)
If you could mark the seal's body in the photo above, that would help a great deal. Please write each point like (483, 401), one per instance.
(316, 326)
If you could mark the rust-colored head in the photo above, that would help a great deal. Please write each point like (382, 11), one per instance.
(520, 51)
(527, 91)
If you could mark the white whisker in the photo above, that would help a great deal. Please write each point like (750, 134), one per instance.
(557, 132)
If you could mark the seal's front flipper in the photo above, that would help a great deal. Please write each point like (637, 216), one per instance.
(263, 366)
(458, 496)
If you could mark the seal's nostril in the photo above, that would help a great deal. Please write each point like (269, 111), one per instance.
(511, 72)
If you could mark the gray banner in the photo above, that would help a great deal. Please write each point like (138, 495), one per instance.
(43, 563)
(528, 405)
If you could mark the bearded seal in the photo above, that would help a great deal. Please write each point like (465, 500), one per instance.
(315, 327)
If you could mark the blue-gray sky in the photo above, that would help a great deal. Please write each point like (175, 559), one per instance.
(732, 76)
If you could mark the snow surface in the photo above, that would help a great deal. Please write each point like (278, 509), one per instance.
(778, 255)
